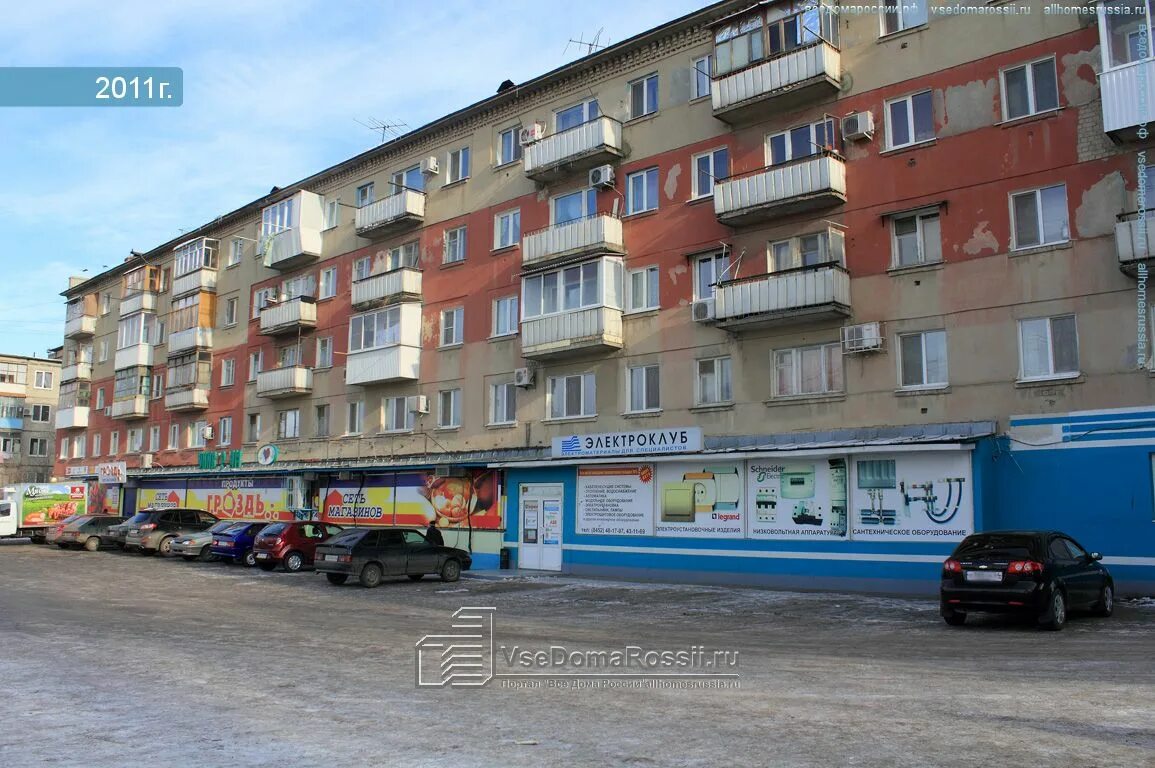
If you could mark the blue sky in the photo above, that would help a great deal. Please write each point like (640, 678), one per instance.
(273, 90)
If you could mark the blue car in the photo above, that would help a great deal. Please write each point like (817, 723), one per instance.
(235, 543)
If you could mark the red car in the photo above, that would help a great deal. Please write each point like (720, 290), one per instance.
(292, 544)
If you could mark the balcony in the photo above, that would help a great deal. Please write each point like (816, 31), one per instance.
(135, 407)
(583, 331)
(574, 150)
(783, 83)
(383, 365)
(195, 282)
(138, 355)
(1128, 98)
(296, 223)
(1135, 241)
(12, 423)
(81, 371)
(285, 382)
(75, 417)
(186, 399)
(12, 388)
(299, 314)
(802, 185)
(573, 239)
(808, 293)
(80, 327)
(189, 339)
(387, 288)
(138, 301)
(396, 213)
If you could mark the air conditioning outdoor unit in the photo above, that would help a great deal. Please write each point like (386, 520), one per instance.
(146, 461)
(602, 176)
(860, 125)
(531, 133)
(430, 166)
(419, 404)
(522, 377)
(207, 433)
(866, 337)
(702, 310)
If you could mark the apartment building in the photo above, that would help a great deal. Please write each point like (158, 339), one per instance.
(28, 392)
(772, 292)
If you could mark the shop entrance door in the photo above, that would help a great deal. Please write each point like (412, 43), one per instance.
(539, 546)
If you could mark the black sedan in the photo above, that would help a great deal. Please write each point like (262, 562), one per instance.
(373, 554)
(1042, 574)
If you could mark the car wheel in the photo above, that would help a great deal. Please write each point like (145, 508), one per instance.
(416, 576)
(165, 547)
(267, 567)
(205, 555)
(371, 575)
(1106, 605)
(955, 618)
(92, 543)
(337, 579)
(249, 559)
(294, 562)
(1055, 616)
(450, 570)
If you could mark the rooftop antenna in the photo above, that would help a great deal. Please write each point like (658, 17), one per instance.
(590, 46)
(386, 128)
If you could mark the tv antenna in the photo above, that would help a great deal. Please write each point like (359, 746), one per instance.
(387, 129)
(590, 45)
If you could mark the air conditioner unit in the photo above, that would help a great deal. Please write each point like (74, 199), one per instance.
(430, 166)
(207, 432)
(866, 337)
(418, 404)
(602, 176)
(522, 377)
(531, 133)
(146, 461)
(702, 310)
(860, 125)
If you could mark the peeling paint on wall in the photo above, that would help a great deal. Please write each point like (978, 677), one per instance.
(1077, 76)
(671, 187)
(1095, 215)
(982, 239)
(428, 329)
(677, 271)
(968, 107)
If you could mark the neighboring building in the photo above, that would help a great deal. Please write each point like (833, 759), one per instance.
(29, 388)
(828, 255)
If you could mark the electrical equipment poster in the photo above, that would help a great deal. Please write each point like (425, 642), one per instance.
(700, 499)
(912, 497)
(796, 498)
(616, 501)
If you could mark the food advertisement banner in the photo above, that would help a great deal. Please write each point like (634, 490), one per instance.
(104, 499)
(44, 504)
(616, 500)
(912, 497)
(797, 499)
(250, 498)
(700, 499)
(415, 498)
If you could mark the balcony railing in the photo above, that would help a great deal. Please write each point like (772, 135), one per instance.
(186, 399)
(81, 371)
(80, 326)
(292, 248)
(576, 332)
(813, 182)
(1128, 97)
(138, 355)
(574, 149)
(285, 382)
(135, 407)
(12, 423)
(12, 388)
(195, 282)
(376, 366)
(784, 81)
(393, 214)
(73, 417)
(138, 301)
(289, 316)
(188, 339)
(813, 292)
(591, 235)
(1135, 240)
(387, 287)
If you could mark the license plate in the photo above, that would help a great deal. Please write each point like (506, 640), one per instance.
(330, 558)
(134, 531)
(985, 576)
(262, 555)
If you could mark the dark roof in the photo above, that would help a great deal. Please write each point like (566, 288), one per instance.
(854, 436)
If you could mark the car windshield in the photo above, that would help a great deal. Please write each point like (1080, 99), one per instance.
(139, 517)
(274, 529)
(347, 537)
(235, 528)
(222, 526)
(996, 547)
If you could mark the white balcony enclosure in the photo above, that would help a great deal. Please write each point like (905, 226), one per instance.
(808, 184)
(195, 282)
(81, 371)
(1135, 241)
(137, 355)
(289, 316)
(597, 329)
(391, 215)
(12, 388)
(802, 75)
(135, 407)
(396, 360)
(387, 287)
(186, 399)
(138, 301)
(188, 339)
(574, 150)
(589, 235)
(293, 234)
(80, 327)
(796, 295)
(285, 382)
(72, 418)
(1127, 82)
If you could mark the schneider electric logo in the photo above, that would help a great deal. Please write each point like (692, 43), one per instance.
(469, 657)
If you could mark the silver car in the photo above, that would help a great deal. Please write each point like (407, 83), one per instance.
(195, 546)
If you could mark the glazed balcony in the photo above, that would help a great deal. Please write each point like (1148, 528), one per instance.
(1135, 240)
(299, 314)
(588, 236)
(138, 301)
(285, 382)
(13, 423)
(195, 282)
(189, 339)
(819, 292)
(785, 82)
(80, 327)
(78, 371)
(387, 288)
(574, 150)
(135, 356)
(577, 332)
(810, 183)
(1128, 98)
(382, 365)
(186, 399)
(396, 213)
(75, 417)
(135, 407)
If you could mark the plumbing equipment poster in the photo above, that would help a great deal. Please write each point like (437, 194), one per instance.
(797, 498)
(616, 501)
(912, 497)
(700, 499)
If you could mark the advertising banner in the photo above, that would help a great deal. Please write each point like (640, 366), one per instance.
(912, 497)
(796, 499)
(616, 500)
(415, 498)
(44, 504)
(249, 498)
(700, 499)
(160, 496)
(104, 499)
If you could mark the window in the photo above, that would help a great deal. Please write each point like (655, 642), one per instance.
(803, 29)
(196, 436)
(11, 408)
(452, 321)
(328, 283)
(78, 447)
(362, 268)
(571, 117)
(506, 229)
(644, 96)
(644, 389)
(189, 370)
(1030, 89)
(135, 442)
(236, 251)
(909, 120)
(737, 45)
(40, 412)
(709, 270)
(569, 289)
(10, 445)
(102, 356)
(65, 448)
(1128, 32)
(917, 239)
(255, 359)
(708, 168)
(505, 316)
(277, 218)
(13, 373)
(375, 330)
(642, 191)
(458, 166)
(225, 431)
(173, 437)
(95, 444)
(321, 421)
(396, 415)
(800, 141)
(43, 380)
(134, 329)
(502, 403)
(301, 285)
(454, 245)
(288, 424)
(153, 439)
(157, 386)
(105, 303)
(922, 358)
(254, 428)
(1048, 347)
(289, 356)
(228, 372)
(571, 396)
(231, 305)
(324, 352)
(1040, 216)
(813, 370)
(573, 206)
(449, 408)
(411, 178)
(643, 290)
(185, 313)
(898, 15)
(364, 195)
(402, 256)
(100, 399)
(332, 213)
(194, 255)
(114, 444)
(508, 146)
(262, 297)
(807, 251)
(355, 417)
(701, 74)
(713, 382)
(38, 446)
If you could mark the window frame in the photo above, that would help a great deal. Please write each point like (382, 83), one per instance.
(224, 431)
(720, 363)
(511, 315)
(364, 194)
(510, 403)
(1032, 91)
(516, 150)
(712, 154)
(457, 165)
(645, 175)
(715, 257)
(454, 416)
(236, 252)
(588, 396)
(814, 148)
(901, 26)
(355, 417)
(228, 364)
(459, 235)
(1040, 219)
(327, 283)
(919, 217)
(289, 424)
(499, 219)
(900, 357)
(796, 371)
(650, 95)
(696, 73)
(457, 326)
(910, 120)
(648, 371)
(1052, 374)
(321, 361)
(389, 411)
(651, 282)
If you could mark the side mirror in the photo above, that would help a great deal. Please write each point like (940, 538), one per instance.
(1096, 556)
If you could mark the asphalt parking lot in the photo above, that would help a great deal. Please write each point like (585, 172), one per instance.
(111, 659)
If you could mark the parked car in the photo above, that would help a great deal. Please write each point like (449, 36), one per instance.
(160, 527)
(291, 544)
(52, 533)
(198, 545)
(88, 532)
(235, 543)
(1043, 574)
(372, 554)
